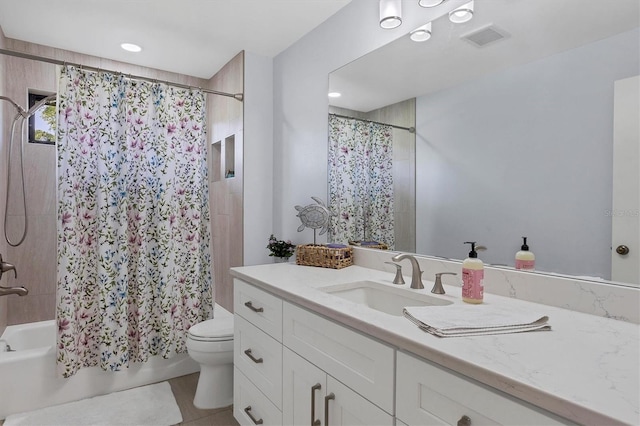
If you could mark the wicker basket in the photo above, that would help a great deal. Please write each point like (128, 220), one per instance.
(379, 246)
(323, 256)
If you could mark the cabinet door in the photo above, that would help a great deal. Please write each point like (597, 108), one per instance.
(345, 407)
(304, 387)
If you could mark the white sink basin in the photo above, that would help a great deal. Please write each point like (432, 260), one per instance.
(383, 298)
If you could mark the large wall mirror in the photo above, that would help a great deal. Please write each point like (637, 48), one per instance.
(515, 113)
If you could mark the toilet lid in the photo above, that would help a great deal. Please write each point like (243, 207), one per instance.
(214, 329)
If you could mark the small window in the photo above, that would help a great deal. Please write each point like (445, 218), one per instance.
(42, 124)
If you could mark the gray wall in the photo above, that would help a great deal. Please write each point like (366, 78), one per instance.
(525, 152)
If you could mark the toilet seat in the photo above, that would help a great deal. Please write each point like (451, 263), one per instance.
(214, 330)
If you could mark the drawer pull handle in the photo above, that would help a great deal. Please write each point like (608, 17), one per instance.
(326, 407)
(464, 421)
(314, 421)
(254, 359)
(253, 419)
(253, 308)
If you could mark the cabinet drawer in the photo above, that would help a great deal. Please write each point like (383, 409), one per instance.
(428, 394)
(259, 357)
(361, 363)
(250, 406)
(259, 308)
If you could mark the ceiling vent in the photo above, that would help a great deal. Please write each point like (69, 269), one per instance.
(485, 36)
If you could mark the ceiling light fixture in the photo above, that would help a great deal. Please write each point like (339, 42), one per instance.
(390, 13)
(422, 33)
(130, 47)
(334, 94)
(430, 3)
(462, 14)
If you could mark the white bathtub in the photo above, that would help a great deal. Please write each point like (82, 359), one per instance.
(28, 377)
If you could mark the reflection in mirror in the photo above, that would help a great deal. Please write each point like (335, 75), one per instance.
(372, 176)
(513, 138)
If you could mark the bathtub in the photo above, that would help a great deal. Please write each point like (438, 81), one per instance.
(28, 377)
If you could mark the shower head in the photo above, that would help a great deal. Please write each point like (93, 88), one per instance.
(49, 100)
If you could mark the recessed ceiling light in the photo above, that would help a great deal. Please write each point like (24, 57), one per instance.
(334, 95)
(422, 33)
(130, 47)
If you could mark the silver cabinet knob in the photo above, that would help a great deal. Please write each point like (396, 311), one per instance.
(464, 421)
(622, 250)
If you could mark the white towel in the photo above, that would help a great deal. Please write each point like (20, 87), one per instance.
(474, 320)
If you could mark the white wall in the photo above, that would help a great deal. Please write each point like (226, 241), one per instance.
(301, 107)
(258, 157)
(525, 152)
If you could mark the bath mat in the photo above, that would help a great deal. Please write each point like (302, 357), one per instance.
(151, 405)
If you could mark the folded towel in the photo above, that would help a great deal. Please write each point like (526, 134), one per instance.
(474, 320)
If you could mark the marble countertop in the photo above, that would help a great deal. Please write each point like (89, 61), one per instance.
(586, 369)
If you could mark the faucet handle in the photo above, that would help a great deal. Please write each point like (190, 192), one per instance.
(6, 266)
(398, 278)
(437, 286)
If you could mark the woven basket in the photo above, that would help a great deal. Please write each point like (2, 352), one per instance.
(380, 246)
(323, 256)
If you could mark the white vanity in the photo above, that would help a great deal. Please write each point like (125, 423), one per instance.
(306, 356)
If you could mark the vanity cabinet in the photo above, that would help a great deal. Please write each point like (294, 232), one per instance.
(293, 367)
(428, 394)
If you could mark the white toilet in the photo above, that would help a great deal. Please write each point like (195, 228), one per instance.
(210, 343)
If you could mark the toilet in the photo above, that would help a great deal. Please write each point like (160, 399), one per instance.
(210, 343)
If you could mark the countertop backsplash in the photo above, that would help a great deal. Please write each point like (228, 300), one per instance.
(580, 295)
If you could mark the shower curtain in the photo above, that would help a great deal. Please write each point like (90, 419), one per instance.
(360, 181)
(134, 265)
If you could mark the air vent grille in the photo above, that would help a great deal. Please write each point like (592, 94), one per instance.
(485, 36)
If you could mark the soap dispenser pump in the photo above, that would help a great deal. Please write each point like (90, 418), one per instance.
(525, 259)
(472, 277)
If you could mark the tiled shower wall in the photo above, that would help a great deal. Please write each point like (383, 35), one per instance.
(3, 178)
(35, 259)
(226, 192)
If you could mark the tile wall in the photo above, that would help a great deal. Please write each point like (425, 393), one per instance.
(226, 202)
(3, 178)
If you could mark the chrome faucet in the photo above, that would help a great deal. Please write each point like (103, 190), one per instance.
(6, 266)
(5, 291)
(20, 291)
(416, 273)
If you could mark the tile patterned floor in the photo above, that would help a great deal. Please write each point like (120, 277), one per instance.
(184, 389)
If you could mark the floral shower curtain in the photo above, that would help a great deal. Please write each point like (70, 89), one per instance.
(134, 265)
(360, 181)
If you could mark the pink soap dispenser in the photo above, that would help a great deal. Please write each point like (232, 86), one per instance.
(472, 277)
